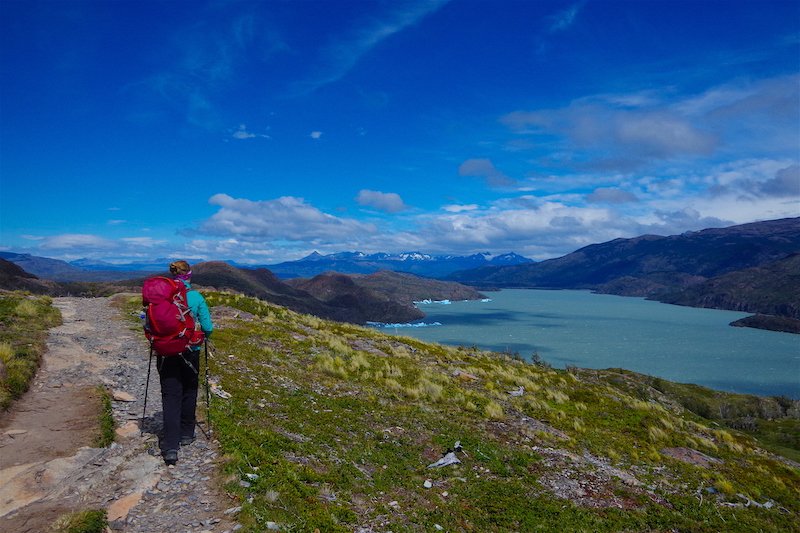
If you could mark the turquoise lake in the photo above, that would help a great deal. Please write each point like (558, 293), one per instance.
(580, 328)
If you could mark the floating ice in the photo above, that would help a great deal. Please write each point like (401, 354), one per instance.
(404, 325)
(429, 301)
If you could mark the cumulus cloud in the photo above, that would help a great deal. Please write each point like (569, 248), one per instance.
(315, 134)
(610, 195)
(390, 202)
(484, 169)
(755, 179)
(286, 218)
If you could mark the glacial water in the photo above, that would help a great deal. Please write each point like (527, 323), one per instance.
(579, 328)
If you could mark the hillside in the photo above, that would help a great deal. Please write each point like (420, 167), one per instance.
(399, 287)
(340, 290)
(383, 297)
(772, 288)
(13, 277)
(713, 263)
(334, 427)
(407, 288)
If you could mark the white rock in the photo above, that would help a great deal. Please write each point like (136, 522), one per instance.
(448, 459)
(427, 484)
(122, 396)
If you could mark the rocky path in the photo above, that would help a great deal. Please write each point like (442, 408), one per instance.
(48, 465)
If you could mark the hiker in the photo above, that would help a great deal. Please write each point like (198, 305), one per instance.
(180, 375)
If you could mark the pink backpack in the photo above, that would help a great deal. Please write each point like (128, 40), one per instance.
(168, 324)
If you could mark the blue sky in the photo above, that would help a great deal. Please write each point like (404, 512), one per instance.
(262, 131)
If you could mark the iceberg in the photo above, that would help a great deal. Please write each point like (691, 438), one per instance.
(404, 325)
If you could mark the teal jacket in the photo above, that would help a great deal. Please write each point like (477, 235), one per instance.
(199, 307)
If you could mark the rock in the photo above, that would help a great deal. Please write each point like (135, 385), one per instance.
(128, 430)
(122, 396)
(15, 432)
(428, 484)
(447, 459)
(120, 508)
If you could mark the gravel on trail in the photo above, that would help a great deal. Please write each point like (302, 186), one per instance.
(40, 481)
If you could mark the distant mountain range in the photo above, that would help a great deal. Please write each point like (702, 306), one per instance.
(750, 267)
(80, 270)
(431, 266)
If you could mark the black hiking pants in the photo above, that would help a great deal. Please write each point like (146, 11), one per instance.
(179, 383)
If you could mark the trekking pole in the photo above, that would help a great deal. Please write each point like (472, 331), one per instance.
(208, 394)
(146, 386)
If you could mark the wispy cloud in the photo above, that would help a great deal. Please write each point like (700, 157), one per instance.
(566, 18)
(341, 54)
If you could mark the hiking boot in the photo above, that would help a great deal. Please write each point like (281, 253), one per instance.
(170, 457)
(185, 441)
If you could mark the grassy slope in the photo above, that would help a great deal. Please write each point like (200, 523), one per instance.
(331, 426)
(24, 321)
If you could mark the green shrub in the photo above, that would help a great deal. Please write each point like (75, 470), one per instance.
(89, 521)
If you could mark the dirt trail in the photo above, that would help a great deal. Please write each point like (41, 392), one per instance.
(48, 465)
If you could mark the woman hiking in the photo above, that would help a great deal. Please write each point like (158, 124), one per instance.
(180, 376)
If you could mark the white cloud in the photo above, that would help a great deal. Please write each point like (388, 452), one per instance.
(459, 208)
(116, 222)
(286, 218)
(242, 133)
(315, 134)
(390, 202)
(68, 241)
